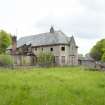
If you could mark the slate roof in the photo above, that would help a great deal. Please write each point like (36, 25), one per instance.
(57, 37)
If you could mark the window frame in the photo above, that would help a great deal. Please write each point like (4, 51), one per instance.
(63, 48)
(51, 49)
(63, 59)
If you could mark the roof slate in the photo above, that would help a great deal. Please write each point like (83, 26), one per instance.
(57, 37)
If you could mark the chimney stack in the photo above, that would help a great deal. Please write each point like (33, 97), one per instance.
(14, 44)
(51, 29)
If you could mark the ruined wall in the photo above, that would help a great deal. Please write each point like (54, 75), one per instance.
(22, 60)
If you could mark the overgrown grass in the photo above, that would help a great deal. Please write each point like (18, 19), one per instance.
(52, 86)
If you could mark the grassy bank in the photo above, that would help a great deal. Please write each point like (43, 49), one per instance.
(52, 86)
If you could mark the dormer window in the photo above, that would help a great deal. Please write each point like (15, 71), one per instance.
(62, 48)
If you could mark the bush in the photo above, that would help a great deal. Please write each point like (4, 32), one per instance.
(5, 60)
(45, 59)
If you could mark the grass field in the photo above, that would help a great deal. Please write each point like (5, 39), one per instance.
(52, 86)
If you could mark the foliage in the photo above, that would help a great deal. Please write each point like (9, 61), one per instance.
(98, 50)
(45, 58)
(5, 60)
(103, 57)
(52, 86)
(5, 41)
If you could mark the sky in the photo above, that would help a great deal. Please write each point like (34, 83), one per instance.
(84, 19)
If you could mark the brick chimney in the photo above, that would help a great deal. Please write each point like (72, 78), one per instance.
(14, 44)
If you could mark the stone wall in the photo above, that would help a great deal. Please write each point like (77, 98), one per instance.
(67, 57)
(87, 63)
(23, 60)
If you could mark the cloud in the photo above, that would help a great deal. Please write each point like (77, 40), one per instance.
(86, 25)
(95, 5)
(84, 18)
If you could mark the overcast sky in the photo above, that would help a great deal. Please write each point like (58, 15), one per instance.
(85, 19)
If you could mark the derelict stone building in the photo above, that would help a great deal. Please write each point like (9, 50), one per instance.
(26, 49)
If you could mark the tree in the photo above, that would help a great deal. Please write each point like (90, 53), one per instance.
(5, 41)
(103, 57)
(98, 50)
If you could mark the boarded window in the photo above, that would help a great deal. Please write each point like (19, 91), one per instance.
(69, 59)
(63, 59)
(72, 60)
(57, 59)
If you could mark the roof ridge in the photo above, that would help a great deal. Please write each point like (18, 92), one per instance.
(39, 34)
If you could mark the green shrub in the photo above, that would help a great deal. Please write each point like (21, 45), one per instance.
(45, 59)
(5, 59)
